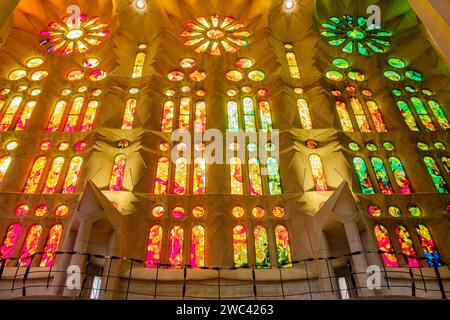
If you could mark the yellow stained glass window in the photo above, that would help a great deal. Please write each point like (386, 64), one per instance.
(139, 65)
(318, 174)
(199, 184)
(200, 116)
(53, 175)
(25, 116)
(54, 237)
(35, 175)
(293, 65)
(236, 176)
(89, 116)
(115, 183)
(179, 186)
(176, 247)
(185, 114)
(8, 117)
(168, 114)
(240, 246)
(128, 117)
(162, 176)
(254, 172)
(305, 116)
(72, 176)
(58, 113)
(4, 165)
(74, 113)
(346, 123)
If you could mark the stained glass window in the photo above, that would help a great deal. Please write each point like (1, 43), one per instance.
(363, 176)
(377, 118)
(58, 113)
(382, 177)
(176, 247)
(236, 176)
(11, 110)
(261, 247)
(428, 245)
(400, 175)
(30, 245)
(73, 174)
(54, 237)
(200, 116)
(404, 239)
(318, 174)
(168, 114)
(138, 65)
(249, 114)
(179, 186)
(423, 114)
(274, 176)
(198, 247)
(254, 172)
(128, 117)
(10, 241)
(283, 246)
(89, 116)
(35, 175)
(162, 176)
(154, 246)
(118, 171)
(305, 116)
(385, 245)
(407, 115)
(293, 65)
(344, 116)
(435, 174)
(53, 175)
(185, 114)
(4, 165)
(439, 114)
(74, 113)
(240, 246)
(360, 116)
(199, 184)
(25, 116)
(266, 116)
(233, 116)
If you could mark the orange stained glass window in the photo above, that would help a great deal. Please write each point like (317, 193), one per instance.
(73, 174)
(162, 176)
(199, 184)
(168, 115)
(342, 110)
(185, 114)
(200, 116)
(283, 246)
(10, 241)
(198, 247)
(236, 176)
(89, 116)
(41, 211)
(35, 175)
(53, 175)
(385, 244)
(179, 186)
(406, 244)
(318, 174)
(240, 246)
(53, 240)
(361, 118)
(176, 247)
(128, 117)
(254, 173)
(115, 183)
(10, 112)
(25, 115)
(293, 65)
(4, 165)
(305, 116)
(138, 68)
(377, 118)
(30, 245)
(58, 113)
(249, 114)
(154, 246)
(74, 113)
(265, 115)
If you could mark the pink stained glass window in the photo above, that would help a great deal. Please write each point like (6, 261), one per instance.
(35, 175)
(30, 245)
(254, 175)
(199, 184)
(176, 247)
(10, 112)
(128, 117)
(200, 116)
(162, 176)
(377, 118)
(58, 113)
(53, 240)
(53, 175)
(73, 174)
(179, 186)
(118, 171)
(10, 241)
(198, 247)
(89, 116)
(404, 239)
(74, 113)
(168, 115)
(185, 114)
(385, 245)
(318, 174)
(154, 246)
(4, 165)
(25, 116)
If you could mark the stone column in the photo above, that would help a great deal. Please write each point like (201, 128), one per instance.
(328, 281)
(111, 271)
(61, 264)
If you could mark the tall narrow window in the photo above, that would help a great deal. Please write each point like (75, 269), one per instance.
(274, 176)
(363, 176)
(236, 176)
(25, 116)
(73, 174)
(233, 116)
(138, 68)
(318, 174)
(382, 177)
(423, 114)
(176, 247)
(58, 113)
(360, 116)
(185, 114)
(254, 172)
(30, 245)
(198, 247)
(74, 113)
(10, 241)
(200, 116)
(293, 65)
(199, 184)
(283, 246)
(35, 175)
(118, 171)
(53, 175)
(10, 112)
(435, 174)
(89, 116)
(154, 247)
(428, 245)
(266, 115)
(377, 118)
(249, 114)
(261, 247)
(400, 175)
(128, 117)
(240, 246)
(168, 115)
(162, 176)
(385, 245)
(439, 114)
(179, 186)
(404, 239)
(4, 165)
(54, 237)
(346, 122)
(305, 115)
(407, 116)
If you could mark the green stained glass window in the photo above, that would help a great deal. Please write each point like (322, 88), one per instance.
(395, 212)
(371, 147)
(389, 146)
(382, 177)
(435, 174)
(423, 114)
(414, 75)
(423, 146)
(407, 115)
(341, 63)
(439, 114)
(357, 76)
(261, 247)
(274, 176)
(415, 211)
(400, 175)
(397, 63)
(363, 176)
(354, 146)
(440, 146)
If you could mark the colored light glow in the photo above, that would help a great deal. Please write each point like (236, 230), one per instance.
(261, 247)
(176, 247)
(198, 241)
(318, 174)
(17, 74)
(305, 116)
(178, 212)
(385, 245)
(428, 246)
(53, 176)
(118, 172)
(240, 246)
(97, 75)
(154, 247)
(34, 62)
(168, 115)
(284, 254)
(274, 176)
(41, 211)
(138, 68)
(238, 212)
(435, 174)
(4, 165)
(400, 175)
(236, 176)
(198, 212)
(22, 210)
(375, 211)
(406, 244)
(35, 175)
(72, 175)
(30, 245)
(61, 211)
(128, 117)
(363, 176)
(258, 212)
(10, 241)
(199, 178)
(179, 186)
(53, 240)
(278, 212)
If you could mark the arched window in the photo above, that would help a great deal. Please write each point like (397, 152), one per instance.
(249, 114)
(73, 174)
(53, 175)
(200, 116)
(199, 184)
(233, 116)
(439, 114)
(385, 245)
(400, 175)
(74, 113)
(198, 247)
(30, 245)
(10, 241)
(428, 245)
(176, 247)
(25, 116)
(240, 246)
(10, 112)
(423, 114)
(293, 65)
(382, 177)
(261, 247)
(162, 176)
(154, 246)
(344, 116)
(360, 115)
(89, 116)
(318, 174)
(404, 239)
(58, 113)
(274, 176)
(138, 68)
(4, 165)
(54, 237)
(377, 118)
(265, 115)
(35, 175)
(168, 115)
(128, 117)
(185, 114)
(363, 176)
(236, 176)
(435, 174)
(115, 183)
(254, 174)
(283, 246)
(179, 186)
(305, 116)
(407, 116)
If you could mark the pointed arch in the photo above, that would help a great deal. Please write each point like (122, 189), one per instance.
(428, 245)
(400, 175)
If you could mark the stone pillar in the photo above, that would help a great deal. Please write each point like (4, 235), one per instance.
(111, 271)
(62, 263)
(328, 282)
